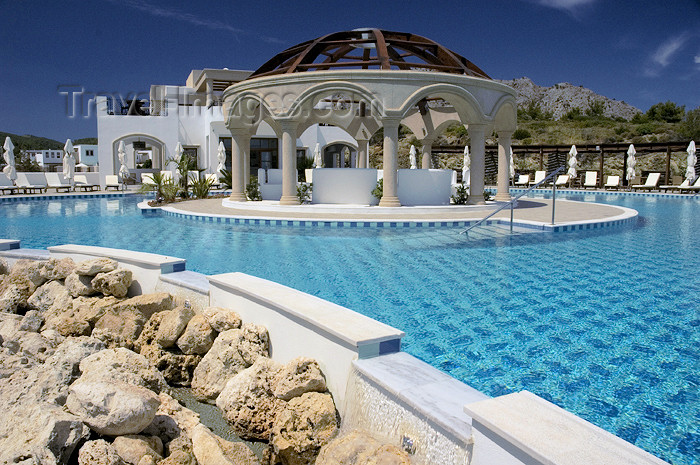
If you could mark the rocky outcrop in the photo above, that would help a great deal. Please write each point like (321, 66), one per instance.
(232, 351)
(222, 319)
(210, 449)
(99, 452)
(298, 377)
(78, 285)
(122, 365)
(133, 448)
(94, 266)
(198, 336)
(57, 269)
(114, 283)
(561, 98)
(148, 304)
(360, 448)
(120, 328)
(172, 325)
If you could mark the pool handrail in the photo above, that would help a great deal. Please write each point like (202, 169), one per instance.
(514, 200)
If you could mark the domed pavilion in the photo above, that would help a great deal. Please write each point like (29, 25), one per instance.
(363, 80)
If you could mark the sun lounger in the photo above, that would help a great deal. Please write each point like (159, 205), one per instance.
(523, 180)
(30, 183)
(82, 183)
(591, 180)
(112, 180)
(694, 188)
(147, 178)
(56, 181)
(6, 185)
(676, 184)
(213, 181)
(539, 176)
(651, 183)
(562, 180)
(613, 182)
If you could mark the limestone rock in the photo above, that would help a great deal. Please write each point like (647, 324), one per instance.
(96, 265)
(45, 295)
(112, 408)
(172, 325)
(91, 309)
(359, 448)
(132, 448)
(31, 269)
(41, 434)
(173, 423)
(12, 299)
(222, 319)
(122, 365)
(31, 322)
(79, 285)
(297, 377)
(72, 327)
(198, 336)
(180, 452)
(57, 268)
(149, 332)
(147, 460)
(99, 452)
(306, 424)
(148, 304)
(120, 329)
(114, 283)
(209, 449)
(233, 351)
(177, 369)
(247, 401)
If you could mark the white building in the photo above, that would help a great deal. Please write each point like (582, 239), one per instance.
(192, 115)
(86, 154)
(48, 160)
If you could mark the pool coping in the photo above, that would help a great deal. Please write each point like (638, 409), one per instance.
(626, 217)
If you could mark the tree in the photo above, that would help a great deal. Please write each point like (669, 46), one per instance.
(690, 127)
(668, 112)
(596, 109)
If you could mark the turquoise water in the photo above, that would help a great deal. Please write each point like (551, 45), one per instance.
(604, 324)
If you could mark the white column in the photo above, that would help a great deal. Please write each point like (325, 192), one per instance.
(503, 193)
(426, 151)
(362, 153)
(239, 140)
(478, 163)
(289, 163)
(391, 142)
(210, 93)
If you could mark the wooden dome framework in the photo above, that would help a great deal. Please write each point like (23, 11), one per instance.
(368, 49)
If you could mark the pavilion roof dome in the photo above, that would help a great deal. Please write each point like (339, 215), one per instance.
(368, 49)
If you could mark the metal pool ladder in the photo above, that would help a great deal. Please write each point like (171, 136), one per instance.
(514, 202)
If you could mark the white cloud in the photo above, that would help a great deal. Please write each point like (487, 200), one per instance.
(166, 12)
(697, 59)
(664, 53)
(567, 5)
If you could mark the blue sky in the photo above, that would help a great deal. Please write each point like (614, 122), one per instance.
(641, 51)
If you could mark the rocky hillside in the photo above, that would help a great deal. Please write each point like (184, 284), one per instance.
(561, 98)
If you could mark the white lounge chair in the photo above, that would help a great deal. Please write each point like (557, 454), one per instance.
(523, 180)
(32, 182)
(192, 176)
(676, 183)
(562, 180)
(613, 182)
(539, 177)
(56, 181)
(6, 185)
(147, 178)
(82, 183)
(165, 175)
(651, 183)
(213, 181)
(112, 180)
(694, 188)
(591, 180)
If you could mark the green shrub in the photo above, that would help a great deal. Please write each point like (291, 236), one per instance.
(461, 196)
(520, 134)
(252, 190)
(226, 178)
(304, 192)
(378, 190)
(668, 112)
(201, 188)
(487, 195)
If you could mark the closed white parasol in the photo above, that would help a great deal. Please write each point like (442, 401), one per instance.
(221, 157)
(318, 162)
(173, 163)
(412, 157)
(511, 165)
(465, 166)
(692, 160)
(123, 169)
(68, 161)
(572, 162)
(631, 162)
(9, 156)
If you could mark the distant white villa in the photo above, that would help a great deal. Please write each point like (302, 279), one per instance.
(335, 91)
(52, 160)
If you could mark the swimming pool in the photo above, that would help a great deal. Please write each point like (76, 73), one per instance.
(605, 324)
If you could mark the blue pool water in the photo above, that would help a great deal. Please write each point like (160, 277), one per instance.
(604, 324)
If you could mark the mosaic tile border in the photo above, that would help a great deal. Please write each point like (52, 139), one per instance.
(17, 198)
(696, 196)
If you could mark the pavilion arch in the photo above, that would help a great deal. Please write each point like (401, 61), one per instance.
(246, 110)
(157, 145)
(465, 104)
(309, 98)
(505, 112)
